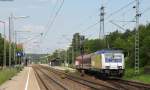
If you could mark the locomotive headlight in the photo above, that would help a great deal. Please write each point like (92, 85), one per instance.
(119, 67)
(107, 67)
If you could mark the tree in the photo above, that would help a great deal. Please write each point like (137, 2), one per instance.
(7, 51)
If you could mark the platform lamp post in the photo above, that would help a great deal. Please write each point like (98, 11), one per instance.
(4, 53)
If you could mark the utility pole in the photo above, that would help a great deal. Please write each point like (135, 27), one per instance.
(72, 54)
(102, 21)
(10, 36)
(15, 46)
(137, 38)
(4, 61)
(66, 61)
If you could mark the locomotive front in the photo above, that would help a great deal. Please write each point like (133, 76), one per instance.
(113, 63)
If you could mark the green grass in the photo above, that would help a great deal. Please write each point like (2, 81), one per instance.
(129, 75)
(7, 74)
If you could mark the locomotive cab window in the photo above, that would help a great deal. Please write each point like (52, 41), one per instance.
(110, 57)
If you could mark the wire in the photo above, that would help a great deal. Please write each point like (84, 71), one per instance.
(49, 21)
(91, 26)
(115, 12)
(82, 23)
(133, 20)
(110, 15)
(53, 20)
(52, 13)
(146, 10)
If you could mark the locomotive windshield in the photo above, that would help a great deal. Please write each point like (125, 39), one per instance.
(113, 57)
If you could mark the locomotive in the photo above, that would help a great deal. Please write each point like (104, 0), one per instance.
(104, 62)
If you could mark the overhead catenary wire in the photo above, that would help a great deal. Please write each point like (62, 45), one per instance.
(146, 10)
(53, 20)
(50, 24)
(53, 10)
(133, 20)
(85, 20)
(117, 11)
(91, 26)
(110, 15)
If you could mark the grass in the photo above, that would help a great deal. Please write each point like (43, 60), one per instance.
(7, 74)
(142, 77)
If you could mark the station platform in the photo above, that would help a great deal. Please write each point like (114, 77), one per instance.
(60, 68)
(63, 68)
(25, 80)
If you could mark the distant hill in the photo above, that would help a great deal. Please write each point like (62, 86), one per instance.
(34, 57)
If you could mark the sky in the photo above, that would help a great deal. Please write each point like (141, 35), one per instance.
(75, 16)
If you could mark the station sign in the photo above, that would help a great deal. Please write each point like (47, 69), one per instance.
(19, 54)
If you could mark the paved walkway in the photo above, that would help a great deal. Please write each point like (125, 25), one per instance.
(25, 80)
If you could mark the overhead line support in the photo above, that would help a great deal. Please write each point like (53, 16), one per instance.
(137, 38)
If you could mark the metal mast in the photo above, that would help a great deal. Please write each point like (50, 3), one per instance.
(4, 57)
(72, 55)
(10, 38)
(137, 38)
(15, 46)
(102, 21)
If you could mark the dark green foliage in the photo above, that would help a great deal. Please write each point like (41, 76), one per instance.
(7, 51)
(116, 39)
(125, 41)
(1, 49)
(93, 45)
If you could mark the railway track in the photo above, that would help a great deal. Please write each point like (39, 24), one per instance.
(93, 85)
(117, 84)
(41, 81)
(48, 83)
(130, 84)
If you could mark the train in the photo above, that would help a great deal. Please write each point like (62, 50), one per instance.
(105, 63)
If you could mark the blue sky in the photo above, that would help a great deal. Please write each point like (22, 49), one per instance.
(75, 16)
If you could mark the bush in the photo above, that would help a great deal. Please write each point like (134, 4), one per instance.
(129, 72)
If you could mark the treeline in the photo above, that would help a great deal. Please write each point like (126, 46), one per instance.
(7, 51)
(116, 39)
